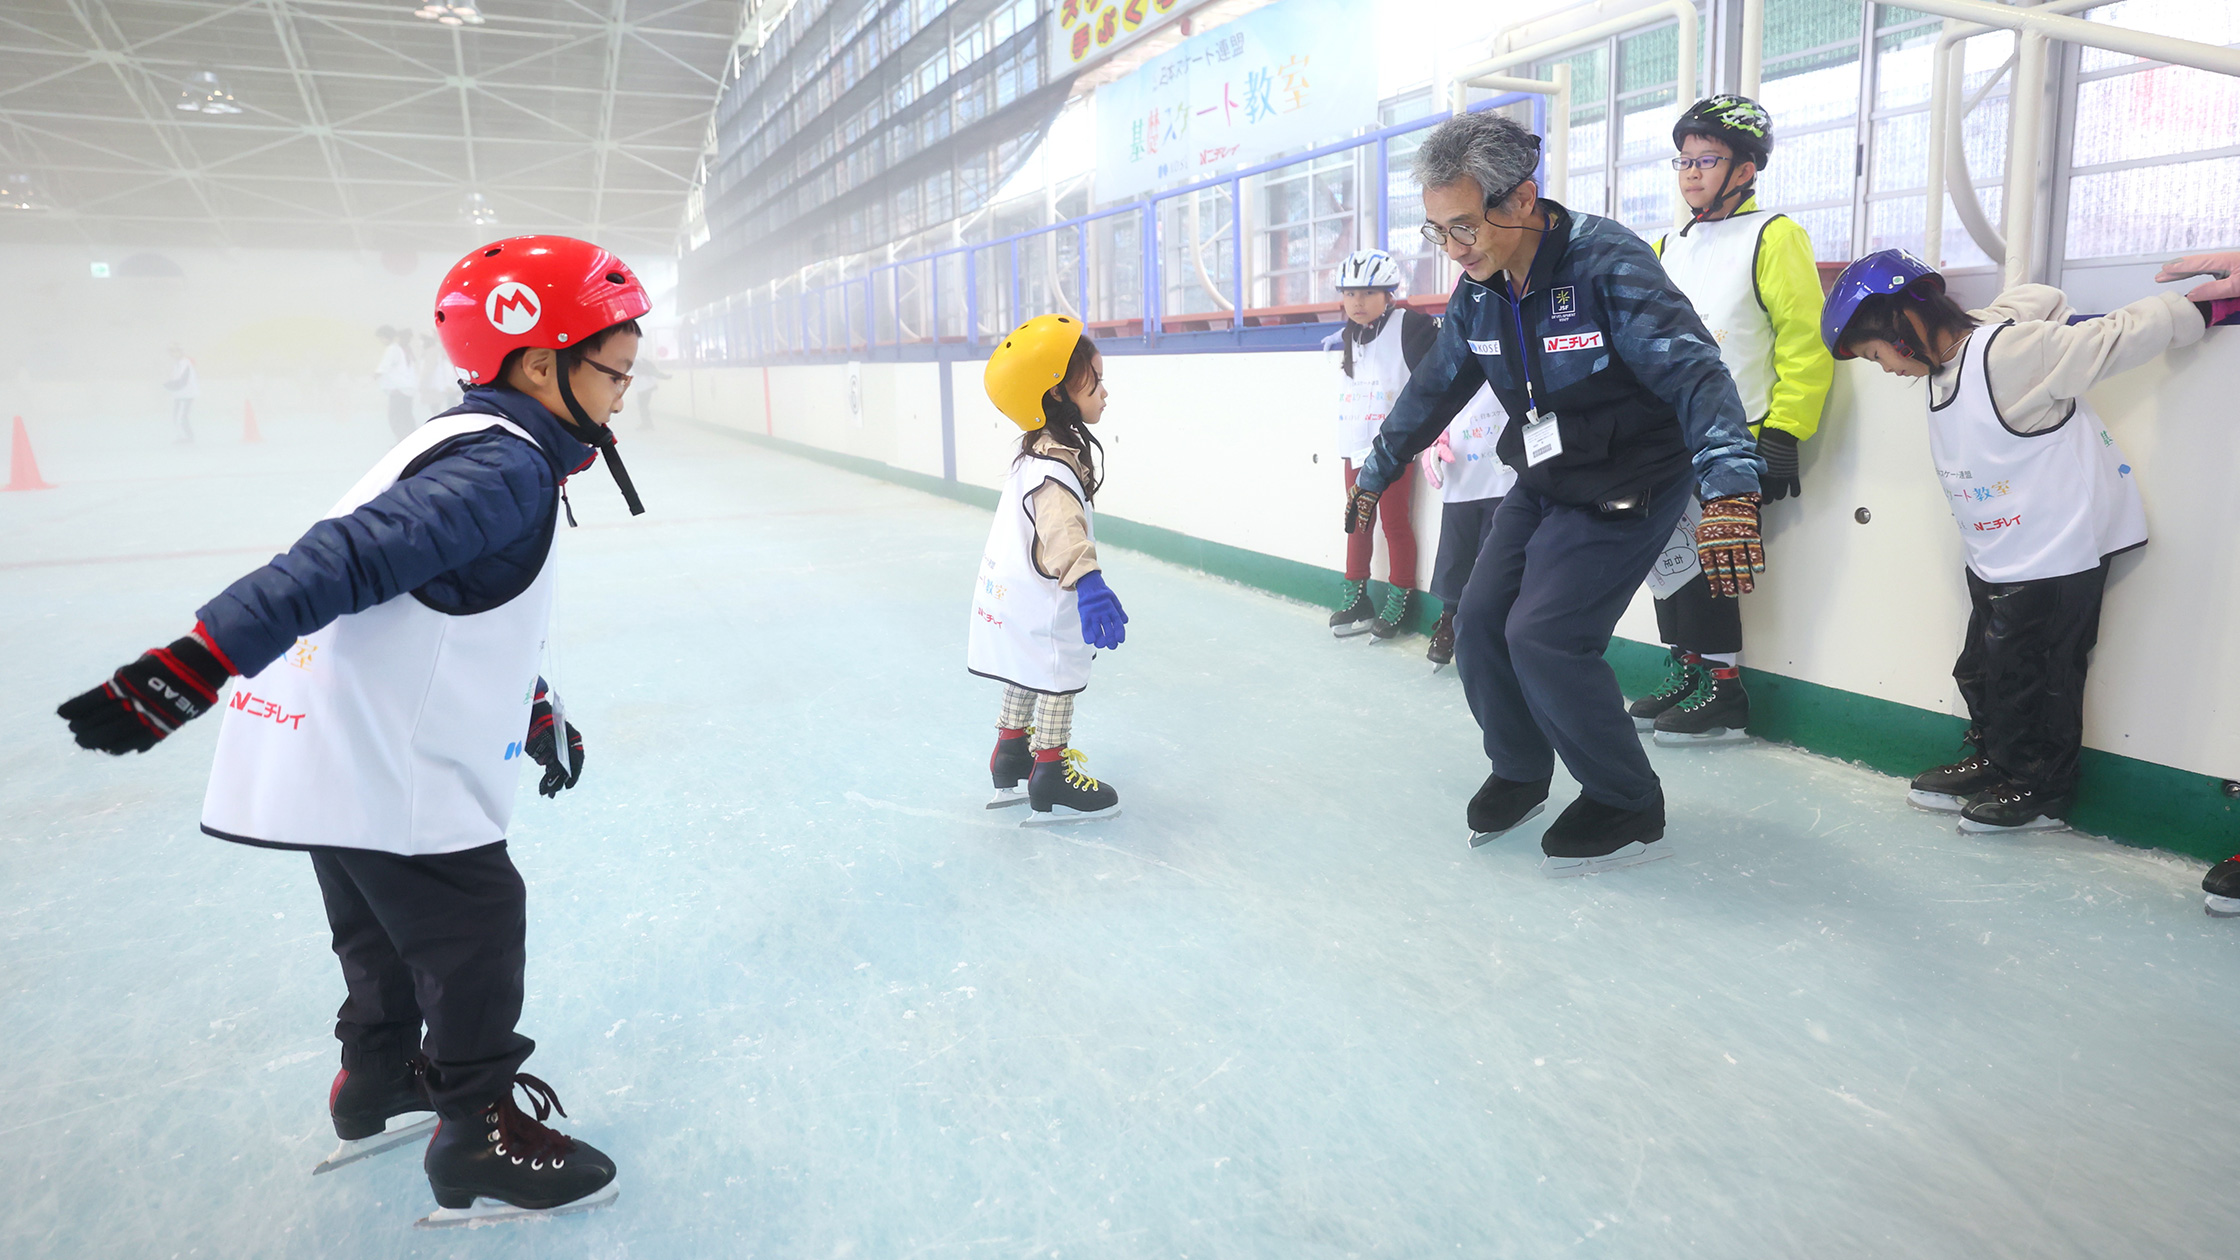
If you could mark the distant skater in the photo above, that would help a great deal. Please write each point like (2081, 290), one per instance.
(185, 386)
(395, 377)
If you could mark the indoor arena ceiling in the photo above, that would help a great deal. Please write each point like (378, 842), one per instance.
(360, 123)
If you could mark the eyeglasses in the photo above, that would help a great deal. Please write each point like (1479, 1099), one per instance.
(621, 379)
(1463, 233)
(1702, 161)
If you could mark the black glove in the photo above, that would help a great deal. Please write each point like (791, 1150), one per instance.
(1779, 447)
(150, 698)
(1361, 509)
(540, 748)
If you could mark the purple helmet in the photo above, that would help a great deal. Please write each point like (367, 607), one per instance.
(1882, 272)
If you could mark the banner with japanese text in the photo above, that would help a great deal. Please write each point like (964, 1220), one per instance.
(1293, 75)
(1085, 32)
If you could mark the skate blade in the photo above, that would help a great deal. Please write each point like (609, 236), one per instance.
(1437, 667)
(351, 1151)
(1059, 815)
(1970, 827)
(1644, 724)
(1354, 631)
(1006, 797)
(1935, 802)
(500, 1212)
(1481, 838)
(1687, 739)
(1632, 855)
(2220, 907)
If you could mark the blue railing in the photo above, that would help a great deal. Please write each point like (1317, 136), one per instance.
(951, 303)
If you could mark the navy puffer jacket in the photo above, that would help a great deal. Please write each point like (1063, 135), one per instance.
(465, 529)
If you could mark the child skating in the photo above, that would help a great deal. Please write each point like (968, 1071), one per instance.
(387, 688)
(1470, 479)
(2043, 498)
(1750, 274)
(1040, 607)
(1378, 346)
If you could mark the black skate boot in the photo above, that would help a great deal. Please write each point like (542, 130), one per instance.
(503, 1165)
(1441, 654)
(1399, 601)
(1355, 614)
(1946, 789)
(1682, 677)
(1503, 805)
(364, 1100)
(1010, 765)
(1590, 836)
(2012, 807)
(1716, 712)
(2222, 886)
(1061, 791)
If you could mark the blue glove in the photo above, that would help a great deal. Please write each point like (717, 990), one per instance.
(1103, 623)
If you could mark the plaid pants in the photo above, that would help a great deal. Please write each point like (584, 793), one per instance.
(1050, 716)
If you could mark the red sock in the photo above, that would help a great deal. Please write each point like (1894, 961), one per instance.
(1049, 754)
(1726, 671)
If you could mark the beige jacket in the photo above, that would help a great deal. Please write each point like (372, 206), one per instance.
(2042, 364)
(1062, 545)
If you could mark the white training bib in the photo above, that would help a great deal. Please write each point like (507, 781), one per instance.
(1026, 629)
(1679, 562)
(1716, 266)
(2035, 505)
(1380, 372)
(398, 728)
(1477, 473)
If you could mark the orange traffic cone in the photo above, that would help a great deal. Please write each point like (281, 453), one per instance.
(249, 424)
(23, 469)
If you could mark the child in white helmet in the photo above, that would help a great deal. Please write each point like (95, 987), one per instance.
(1040, 606)
(1378, 346)
(1471, 480)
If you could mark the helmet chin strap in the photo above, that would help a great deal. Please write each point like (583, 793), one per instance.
(600, 437)
(1711, 207)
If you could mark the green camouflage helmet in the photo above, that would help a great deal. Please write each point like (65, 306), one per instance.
(1738, 122)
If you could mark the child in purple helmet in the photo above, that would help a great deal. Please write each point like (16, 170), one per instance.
(2043, 498)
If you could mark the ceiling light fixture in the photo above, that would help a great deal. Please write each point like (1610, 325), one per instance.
(205, 94)
(460, 14)
(18, 193)
(477, 211)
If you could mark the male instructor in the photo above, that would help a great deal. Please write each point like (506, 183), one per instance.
(1620, 410)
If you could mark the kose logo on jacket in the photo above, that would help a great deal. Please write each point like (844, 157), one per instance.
(512, 308)
(1573, 341)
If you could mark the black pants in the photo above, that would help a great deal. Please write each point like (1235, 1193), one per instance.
(2022, 669)
(1463, 530)
(1695, 620)
(1535, 621)
(438, 939)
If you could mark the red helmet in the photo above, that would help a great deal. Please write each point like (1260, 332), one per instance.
(547, 292)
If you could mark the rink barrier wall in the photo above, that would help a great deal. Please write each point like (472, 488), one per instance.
(1858, 630)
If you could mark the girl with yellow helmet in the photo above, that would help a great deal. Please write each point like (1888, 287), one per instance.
(1040, 606)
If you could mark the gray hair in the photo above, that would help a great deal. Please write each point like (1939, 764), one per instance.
(1485, 147)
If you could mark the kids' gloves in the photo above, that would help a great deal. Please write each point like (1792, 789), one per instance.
(1727, 544)
(1779, 448)
(1103, 622)
(544, 749)
(150, 698)
(1441, 452)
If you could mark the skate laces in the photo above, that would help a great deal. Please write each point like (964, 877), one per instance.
(1706, 687)
(1395, 605)
(1075, 775)
(520, 1138)
(1679, 678)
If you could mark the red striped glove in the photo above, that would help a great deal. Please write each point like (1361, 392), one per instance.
(1728, 545)
(150, 698)
(544, 749)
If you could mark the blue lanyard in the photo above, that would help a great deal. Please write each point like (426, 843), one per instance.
(1524, 356)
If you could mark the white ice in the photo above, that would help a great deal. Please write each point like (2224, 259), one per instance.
(818, 1002)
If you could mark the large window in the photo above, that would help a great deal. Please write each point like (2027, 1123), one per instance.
(1811, 87)
(1624, 100)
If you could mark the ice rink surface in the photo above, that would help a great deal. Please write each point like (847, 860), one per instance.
(817, 1002)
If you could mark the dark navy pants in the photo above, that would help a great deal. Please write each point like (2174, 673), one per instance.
(440, 939)
(1535, 620)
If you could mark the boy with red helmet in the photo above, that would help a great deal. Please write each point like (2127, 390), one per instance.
(389, 688)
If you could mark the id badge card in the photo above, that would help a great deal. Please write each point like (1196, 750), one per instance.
(1543, 441)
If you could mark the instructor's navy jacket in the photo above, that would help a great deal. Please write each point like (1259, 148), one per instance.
(464, 530)
(1616, 353)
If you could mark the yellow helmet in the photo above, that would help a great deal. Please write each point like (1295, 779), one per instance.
(1028, 363)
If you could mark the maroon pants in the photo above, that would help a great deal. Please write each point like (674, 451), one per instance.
(1395, 511)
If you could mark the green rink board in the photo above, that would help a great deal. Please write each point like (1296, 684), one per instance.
(2135, 802)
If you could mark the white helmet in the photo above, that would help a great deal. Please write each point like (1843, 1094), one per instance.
(1369, 269)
